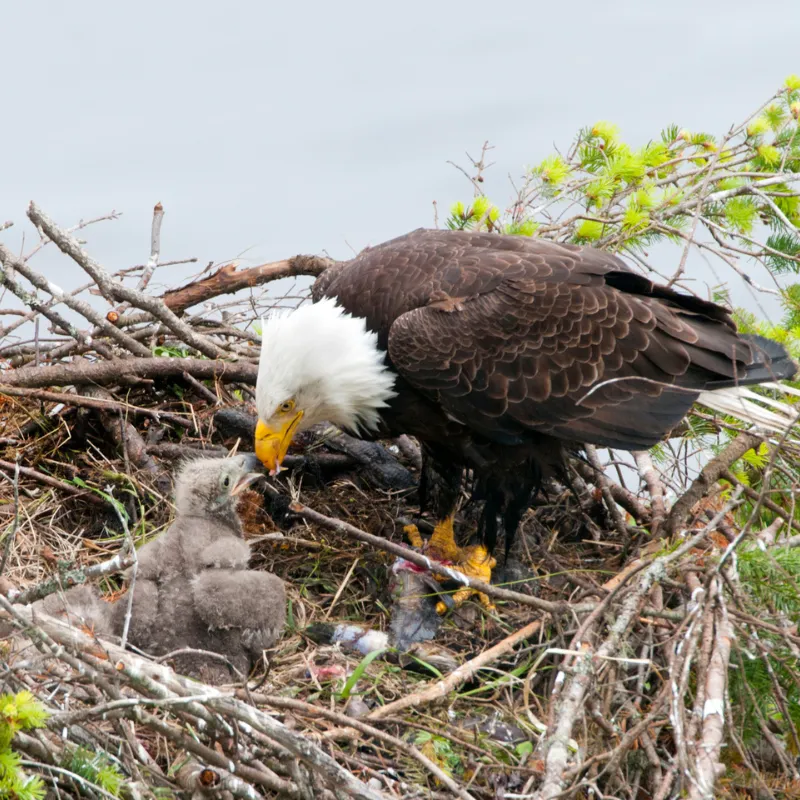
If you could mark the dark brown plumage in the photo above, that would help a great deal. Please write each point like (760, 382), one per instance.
(503, 346)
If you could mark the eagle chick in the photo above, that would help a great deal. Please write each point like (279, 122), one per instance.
(193, 589)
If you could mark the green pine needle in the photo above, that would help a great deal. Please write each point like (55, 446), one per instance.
(741, 213)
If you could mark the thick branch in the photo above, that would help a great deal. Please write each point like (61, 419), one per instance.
(126, 437)
(107, 372)
(709, 768)
(161, 681)
(228, 280)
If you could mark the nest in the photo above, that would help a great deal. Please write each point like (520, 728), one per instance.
(633, 651)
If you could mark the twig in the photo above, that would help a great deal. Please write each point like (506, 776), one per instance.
(713, 728)
(555, 745)
(652, 479)
(53, 483)
(605, 488)
(108, 404)
(114, 290)
(81, 306)
(708, 476)
(125, 436)
(367, 730)
(467, 671)
(201, 390)
(31, 300)
(73, 577)
(129, 550)
(160, 681)
(12, 534)
(155, 247)
(632, 504)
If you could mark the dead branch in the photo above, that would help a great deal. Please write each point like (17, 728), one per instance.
(75, 303)
(126, 437)
(117, 370)
(73, 577)
(155, 247)
(713, 726)
(655, 487)
(206, 702)
(107, 404)
(33, 302)
(114, 290)
(332, 461)
(361, 727)
(228, 279)
(604, 484)
(620, 494)
(467, 671)
(708, 476)
(54, 483)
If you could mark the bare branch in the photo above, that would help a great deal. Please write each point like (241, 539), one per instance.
(114, 290)
(228, 279)
(117, 370)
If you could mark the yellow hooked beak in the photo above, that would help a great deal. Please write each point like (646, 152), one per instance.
(272, 444)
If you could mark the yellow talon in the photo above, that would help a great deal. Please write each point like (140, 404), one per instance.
(473, 561)
(413, 534)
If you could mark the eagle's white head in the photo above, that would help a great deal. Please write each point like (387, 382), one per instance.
(318, 364)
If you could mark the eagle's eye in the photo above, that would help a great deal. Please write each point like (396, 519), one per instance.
(286, 406)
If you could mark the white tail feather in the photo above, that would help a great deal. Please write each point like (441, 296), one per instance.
(749, 407)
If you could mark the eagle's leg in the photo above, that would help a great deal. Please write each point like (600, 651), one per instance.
(440, 490)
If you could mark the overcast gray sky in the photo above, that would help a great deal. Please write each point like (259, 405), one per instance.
(311, 126)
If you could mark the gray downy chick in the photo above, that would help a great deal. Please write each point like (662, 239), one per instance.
(193, 588)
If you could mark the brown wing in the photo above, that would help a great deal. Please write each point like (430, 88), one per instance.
(511, 334)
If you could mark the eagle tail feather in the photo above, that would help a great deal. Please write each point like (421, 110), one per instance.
(771, 363)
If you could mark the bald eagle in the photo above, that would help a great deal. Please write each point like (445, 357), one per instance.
(498, 353)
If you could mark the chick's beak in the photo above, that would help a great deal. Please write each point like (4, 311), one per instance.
(244, 482)
(272, 443)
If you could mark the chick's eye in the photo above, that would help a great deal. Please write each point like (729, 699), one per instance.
(226, 481)
(286, 407)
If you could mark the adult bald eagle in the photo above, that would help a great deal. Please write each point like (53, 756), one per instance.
(496, 352)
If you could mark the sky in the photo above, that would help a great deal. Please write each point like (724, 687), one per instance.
(271, 129)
